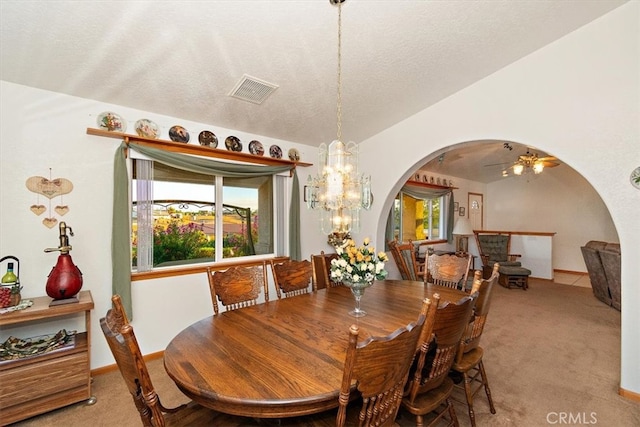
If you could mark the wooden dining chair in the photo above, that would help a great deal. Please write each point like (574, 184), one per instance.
(322, 270)
(238, 287)
(292, 277)
(429, 388)
(468, 361)
(379, 367)
(124, 347)
(405, 257)
(450, 270)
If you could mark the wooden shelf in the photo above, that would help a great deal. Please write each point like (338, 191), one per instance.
(41, 310)
(427, 185)
(197, 150)
(48, 381)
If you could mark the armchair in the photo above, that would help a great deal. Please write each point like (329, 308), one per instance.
(495, 247)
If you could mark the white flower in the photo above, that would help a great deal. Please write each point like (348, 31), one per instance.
(358, 264)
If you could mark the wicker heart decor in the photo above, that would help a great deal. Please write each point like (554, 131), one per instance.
(38, 209)
(49, 188)
(61, 210)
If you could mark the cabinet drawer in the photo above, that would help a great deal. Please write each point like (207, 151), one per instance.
(52, 376)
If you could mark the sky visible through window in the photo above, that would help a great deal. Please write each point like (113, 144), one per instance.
(245, 197)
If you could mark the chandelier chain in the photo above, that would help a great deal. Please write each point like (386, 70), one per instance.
(339, 106)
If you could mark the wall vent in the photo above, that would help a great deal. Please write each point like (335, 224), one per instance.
(252, 89)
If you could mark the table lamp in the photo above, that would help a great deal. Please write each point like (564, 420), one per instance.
(462, 230)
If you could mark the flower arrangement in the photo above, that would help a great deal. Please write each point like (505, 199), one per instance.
(358, 264)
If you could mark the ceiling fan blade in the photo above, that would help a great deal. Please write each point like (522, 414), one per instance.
(498, 164)
(550, 164)
(548, 159)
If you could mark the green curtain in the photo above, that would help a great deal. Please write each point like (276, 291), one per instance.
(120, 244)
(120, 241)
(295, 252)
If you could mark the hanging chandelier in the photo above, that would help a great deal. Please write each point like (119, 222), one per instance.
(339, 191)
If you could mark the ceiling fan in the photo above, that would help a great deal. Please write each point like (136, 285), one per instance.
(531, 161)
(528, 162)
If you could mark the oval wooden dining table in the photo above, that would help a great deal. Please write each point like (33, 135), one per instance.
(285, 358)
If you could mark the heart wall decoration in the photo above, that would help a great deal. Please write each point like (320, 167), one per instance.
(49, 188)
(50, 222)
(61, 210)
(38, 209)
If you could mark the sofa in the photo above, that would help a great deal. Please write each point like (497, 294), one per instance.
(603, 265)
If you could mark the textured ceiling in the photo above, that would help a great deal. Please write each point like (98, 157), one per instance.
(182, 58)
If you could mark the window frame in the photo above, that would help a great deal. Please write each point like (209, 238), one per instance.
(123, 167)
(443, 220)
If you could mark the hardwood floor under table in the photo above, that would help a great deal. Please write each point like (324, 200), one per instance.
(285, 358)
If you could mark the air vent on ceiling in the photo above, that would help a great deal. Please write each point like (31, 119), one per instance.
(252, 89)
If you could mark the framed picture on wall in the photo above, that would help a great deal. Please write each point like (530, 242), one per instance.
(456, 206)
(460, 210)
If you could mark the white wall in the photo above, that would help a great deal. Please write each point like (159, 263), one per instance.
(559, 201)
(577, 98)
(43, 130)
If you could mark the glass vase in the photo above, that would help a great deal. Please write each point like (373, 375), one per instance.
(357, 289)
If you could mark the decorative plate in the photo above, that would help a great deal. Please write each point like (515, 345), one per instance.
(147, 129)
(635, 177)
(112, 122)
(178, 134)
(275, 152)
(233, 143)
(256, 148)
(294, 155)
(208, 139)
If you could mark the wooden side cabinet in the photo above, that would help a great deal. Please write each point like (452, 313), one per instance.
(35, 385)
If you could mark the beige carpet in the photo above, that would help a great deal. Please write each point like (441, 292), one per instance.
(552, 355)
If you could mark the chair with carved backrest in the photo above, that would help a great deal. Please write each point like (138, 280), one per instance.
(237, 287)
(405, 257)
(124, 346)
(292, 277)
(322, 270)
(379, 368)
(468, 360)
(429, 387)
(450, 270)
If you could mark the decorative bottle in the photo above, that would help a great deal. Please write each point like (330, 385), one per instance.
(9, 279)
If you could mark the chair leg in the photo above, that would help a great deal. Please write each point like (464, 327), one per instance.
(485, 381)
(469, 396)
(452, 414)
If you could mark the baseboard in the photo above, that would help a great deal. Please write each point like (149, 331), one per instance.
(631, 395)
(580, 273)
(111, 368)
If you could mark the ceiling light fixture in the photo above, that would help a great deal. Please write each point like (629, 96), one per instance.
(339, 191)
(527, 162)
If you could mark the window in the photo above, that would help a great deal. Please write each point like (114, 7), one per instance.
(180, 217)
(420, 218)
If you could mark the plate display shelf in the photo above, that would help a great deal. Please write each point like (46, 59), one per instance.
(197, 150)
(429, 185)
(44, 382)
